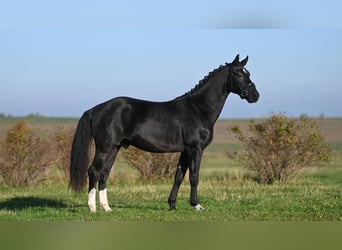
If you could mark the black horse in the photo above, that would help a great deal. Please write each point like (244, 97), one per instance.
(184, 124)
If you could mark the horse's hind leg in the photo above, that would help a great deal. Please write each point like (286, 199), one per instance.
(103, 179)
(97, 173)
(93, 174)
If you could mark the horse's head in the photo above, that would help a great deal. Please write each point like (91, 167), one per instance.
(240, 82)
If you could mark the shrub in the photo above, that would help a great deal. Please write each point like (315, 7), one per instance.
(25, 155)
(151, 166)
(63, 138)
(279, 147)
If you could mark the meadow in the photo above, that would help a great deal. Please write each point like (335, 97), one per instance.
(227, 191)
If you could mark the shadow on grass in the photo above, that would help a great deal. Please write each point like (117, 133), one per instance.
(21, 203)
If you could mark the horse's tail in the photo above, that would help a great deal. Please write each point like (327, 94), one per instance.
(79, 161)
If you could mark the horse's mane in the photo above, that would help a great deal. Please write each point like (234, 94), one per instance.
(203, 82)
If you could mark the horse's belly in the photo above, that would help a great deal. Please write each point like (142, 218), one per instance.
(158, 142)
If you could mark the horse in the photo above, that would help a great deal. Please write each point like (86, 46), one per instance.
(184, 124)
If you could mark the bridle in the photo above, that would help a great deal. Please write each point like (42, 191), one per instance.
(243, 92)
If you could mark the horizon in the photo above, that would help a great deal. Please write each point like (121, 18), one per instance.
(43, 116)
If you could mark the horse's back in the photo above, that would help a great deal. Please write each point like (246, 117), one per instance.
(152, 126)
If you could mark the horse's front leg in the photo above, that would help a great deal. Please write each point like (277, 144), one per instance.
(180, 173)
(195, 155)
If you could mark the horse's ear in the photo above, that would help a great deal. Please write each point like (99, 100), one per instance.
(236, 60)
(244, 62)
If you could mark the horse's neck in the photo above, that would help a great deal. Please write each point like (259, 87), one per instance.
(211, 98)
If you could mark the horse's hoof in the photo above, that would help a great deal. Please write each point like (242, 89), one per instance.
(172, 205)
(198, 207)
(106, 208)
(92, 209)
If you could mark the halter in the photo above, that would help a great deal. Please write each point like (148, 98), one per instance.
(243, 92)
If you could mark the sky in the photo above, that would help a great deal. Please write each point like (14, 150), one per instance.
(60, 58)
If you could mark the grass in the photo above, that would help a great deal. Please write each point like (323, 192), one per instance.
(226, 191)
(223, 201)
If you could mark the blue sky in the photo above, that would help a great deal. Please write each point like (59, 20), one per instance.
(61, 58)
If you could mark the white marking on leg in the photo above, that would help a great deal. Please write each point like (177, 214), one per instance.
(92, 200)
(104, 200)
(199, 207)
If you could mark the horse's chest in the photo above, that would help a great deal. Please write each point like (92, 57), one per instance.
(205, 135)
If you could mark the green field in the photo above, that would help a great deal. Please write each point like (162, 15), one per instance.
(227, 191)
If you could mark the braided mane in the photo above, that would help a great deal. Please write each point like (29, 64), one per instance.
(203, 82)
